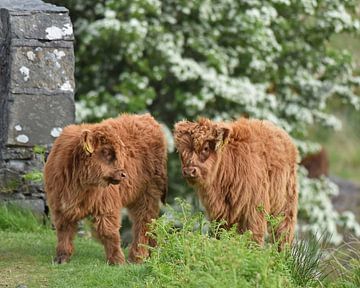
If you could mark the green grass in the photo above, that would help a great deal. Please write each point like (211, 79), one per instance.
(26, 258)
(345, 261)
(27, 248)
(191, 252)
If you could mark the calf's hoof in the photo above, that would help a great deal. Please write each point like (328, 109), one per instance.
(61, 259)
(137, 258)
(116, 261)
(134, 260)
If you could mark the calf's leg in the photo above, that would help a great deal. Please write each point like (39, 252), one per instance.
(256, 223)
(284, 233)
(107, 228)
(141, 215)
(65, 232)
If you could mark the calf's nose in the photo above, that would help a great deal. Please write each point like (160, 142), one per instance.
(116, 177)
(190, 172)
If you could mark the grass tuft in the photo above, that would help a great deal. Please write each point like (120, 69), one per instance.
(345, 261)
(15, 219)
(307, 260)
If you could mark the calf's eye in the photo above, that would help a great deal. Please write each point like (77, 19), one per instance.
(206, 148)
(205, 152)
(108, 154)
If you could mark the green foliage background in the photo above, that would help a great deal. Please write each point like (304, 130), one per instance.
(222, 59)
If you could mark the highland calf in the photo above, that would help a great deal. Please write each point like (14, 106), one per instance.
(317, 164)
(242, 171)
(95, 170)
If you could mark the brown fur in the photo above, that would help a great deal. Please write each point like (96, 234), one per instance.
(241, 171)
(129, 151)
(317, 164)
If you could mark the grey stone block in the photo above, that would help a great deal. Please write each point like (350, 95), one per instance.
(36, 190)
(14, 181)
(4, 25)
(10, 181)
(4, 80)
(16, 165)
(17, 153)
(37, 43)
(37, 69)
(36, 205)
(36, 92)
(30, 5)
(37, 119)
(44, 26)
(18, 196)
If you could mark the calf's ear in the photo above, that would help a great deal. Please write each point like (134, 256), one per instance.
(222, 137)
(182, 127)
(181, 134)
(87, 141)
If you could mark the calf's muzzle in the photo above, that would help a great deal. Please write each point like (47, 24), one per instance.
(190, 172)
(116, 177)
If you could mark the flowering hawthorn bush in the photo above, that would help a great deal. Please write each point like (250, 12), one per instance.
(179, 59)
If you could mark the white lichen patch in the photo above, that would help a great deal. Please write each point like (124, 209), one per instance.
(25, 72)
(55, 33)
(18, 127)
(55, 132)
(59, 54)
(22, 138)
(31, 55)
(67, 29)
(66, 86)
(55, 56)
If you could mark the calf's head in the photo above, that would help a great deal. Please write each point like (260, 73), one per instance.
(200, 145)
(102, 155)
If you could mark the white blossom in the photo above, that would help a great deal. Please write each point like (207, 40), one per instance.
(247, 54)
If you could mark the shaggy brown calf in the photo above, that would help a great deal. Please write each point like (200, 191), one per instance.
(317, 164)
(241, 171)
(95, 170)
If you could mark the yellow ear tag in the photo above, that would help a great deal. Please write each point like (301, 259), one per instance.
(220, 145)
(88, 148)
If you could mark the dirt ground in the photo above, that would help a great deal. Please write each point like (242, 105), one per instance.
(348, 198)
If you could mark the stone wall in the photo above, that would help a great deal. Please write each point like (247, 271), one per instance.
(36, 93)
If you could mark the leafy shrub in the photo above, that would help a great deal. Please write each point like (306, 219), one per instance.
(34, 176)
(266, 59)
(192, 252)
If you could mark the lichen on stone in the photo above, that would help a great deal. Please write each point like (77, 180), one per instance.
(54, 32)
(55, 132)
(22, 138)
(25, 72)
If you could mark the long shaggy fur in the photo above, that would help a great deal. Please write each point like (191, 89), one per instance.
(242, 171)
(129, 151)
